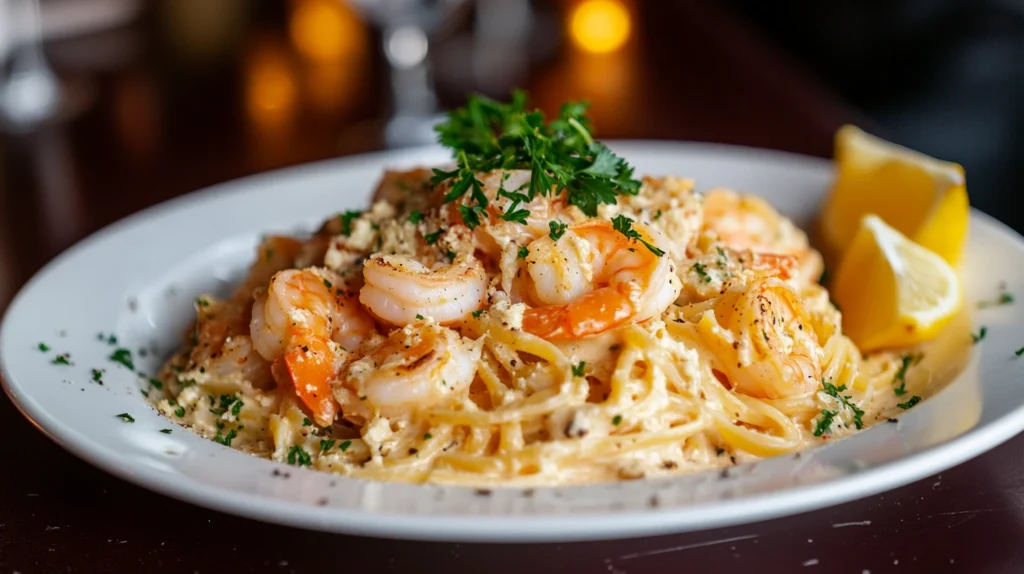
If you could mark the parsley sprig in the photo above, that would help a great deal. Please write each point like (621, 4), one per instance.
(827, 417)
(562, 156)
(624, 225)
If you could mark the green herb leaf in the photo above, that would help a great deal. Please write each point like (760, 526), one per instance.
(415, 216)
(901, 374)
(702, 271)
(156, 383)
(523, 252)
(1019, 351)
(836, 392)
(306, 422)
(326, 444)
(476, 314)
(557, 229)
(624, 225)
(123, 356)
(97, 376)
(980, 336)
(44, 347)
(126, 417)
(428, 436)
(431, 238)
(180, 411)
(617, 420)
(577, 370)
(346, 221)
(419, 317)
(298, 456)
(166, 431)
(913, 401)
(344, 446)
(61, 359)
(825, 422)
(226, 439)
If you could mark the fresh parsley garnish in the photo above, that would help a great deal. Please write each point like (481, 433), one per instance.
(419, 317)
(326, 444)
(561, 155)
(344, 446)
(702, 271)
(557, 229)
(836, 393)
(298, 456)
(617, 420)
(913, 401)
(1019, 351)
(431, 238)
(346, 221)
(1003, 299)
(306, 422)
(97, 376)
(577, 370)
(156, 383)
(901, 375)
(62, 359)
(166, 431)
(512, 213)
(328, 284)
(226, 439)
(126, 417)
(44, 347)
(428, 436)
(476, 314)
(523, 252)
(415, 216)
(123, 356)
(825, 422)
(980, 336)
(624, 225)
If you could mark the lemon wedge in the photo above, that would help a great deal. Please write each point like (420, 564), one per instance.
(922, 197)
(892, 291)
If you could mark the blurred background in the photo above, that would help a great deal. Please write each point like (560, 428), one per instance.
(108, 106)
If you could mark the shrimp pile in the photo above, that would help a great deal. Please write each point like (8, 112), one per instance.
(675, 331)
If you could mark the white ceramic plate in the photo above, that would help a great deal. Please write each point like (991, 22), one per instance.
(138, 277)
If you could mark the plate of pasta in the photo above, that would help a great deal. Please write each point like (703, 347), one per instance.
(525, 334)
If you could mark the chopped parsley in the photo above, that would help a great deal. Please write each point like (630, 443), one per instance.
(328, 284)
(702, 271)
(657, 215)
(557, 229)
(719, 451)
(226, 439)
(97, 376)
(226, 403)
(326, 444)
(1003, 299)
(431, 238)
(844, 400)
(428, 436)
(346, 221)
(62, 359)
(44, 347)
(156, 383)
(561, 155)
(450, 254)
(980, 336)
(123, 356)
(306, 422)
(126, 417)
(901, 375)
(825, 422)
(617, 420)
(1019, 351)
(523, 252)
(202, 302)
(511, 212)
(298, 456)
(166, 431)
(415, 216)
(419, 317)
(179, 412)
(723, 260)
(577, 370)
(476, 314)
(624, 225)
(344, 446)
(913, 401)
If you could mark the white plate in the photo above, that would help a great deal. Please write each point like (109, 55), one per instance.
(138, 278)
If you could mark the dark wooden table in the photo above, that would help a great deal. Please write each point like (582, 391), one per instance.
(167, 117)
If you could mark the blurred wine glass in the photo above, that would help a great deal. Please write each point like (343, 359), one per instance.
(29, 91)
(409, 28)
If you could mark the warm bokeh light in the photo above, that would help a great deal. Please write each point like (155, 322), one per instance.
(270, 85)
(326, 29)
(137, 114)
(599, 26)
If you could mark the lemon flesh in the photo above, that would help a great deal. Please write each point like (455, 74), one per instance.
(892, 291)
(923, 198)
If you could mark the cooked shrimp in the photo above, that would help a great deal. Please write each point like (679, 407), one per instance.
(303, 324)
(760, 338)
(400, 289)
(746, 222)
(419, 366)
(594, 278)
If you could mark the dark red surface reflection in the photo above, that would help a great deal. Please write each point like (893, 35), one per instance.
(171, 113)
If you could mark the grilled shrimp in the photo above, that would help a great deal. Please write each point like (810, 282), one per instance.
(303, 324)
(400, 290)
(419, 366)
(760, 337)
(746, 222)
(594, 278)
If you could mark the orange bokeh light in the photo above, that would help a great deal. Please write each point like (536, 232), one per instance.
(326, 30)
(600, 26)
(270, 86)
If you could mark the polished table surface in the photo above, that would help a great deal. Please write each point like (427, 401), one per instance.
(153, 126)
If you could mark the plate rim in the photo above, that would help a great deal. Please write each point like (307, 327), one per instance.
(501, 528)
